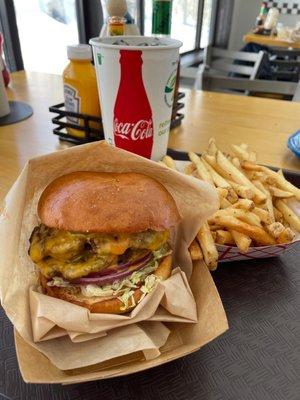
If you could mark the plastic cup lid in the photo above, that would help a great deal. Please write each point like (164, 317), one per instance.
(79, 52)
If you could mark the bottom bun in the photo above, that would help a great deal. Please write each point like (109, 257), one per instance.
(96, 304)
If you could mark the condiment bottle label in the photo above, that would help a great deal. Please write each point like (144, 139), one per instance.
(72, 102)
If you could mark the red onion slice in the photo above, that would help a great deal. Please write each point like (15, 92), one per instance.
(117, 276)
(118, 267)
(122, 266)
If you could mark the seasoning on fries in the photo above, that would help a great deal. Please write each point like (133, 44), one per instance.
(208, 247)
(254, 202)
(195, 251)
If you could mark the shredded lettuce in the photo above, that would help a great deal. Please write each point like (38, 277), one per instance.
(140, 276)
(58, 281)
(124, 290)
(128, 294)
(149, 285)
(94, 290)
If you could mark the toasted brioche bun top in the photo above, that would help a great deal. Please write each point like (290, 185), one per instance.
(107, 203)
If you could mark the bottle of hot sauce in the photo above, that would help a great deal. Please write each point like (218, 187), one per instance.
(133, 124)
(80, 86)
(116, 22)
(116, 26)
(260, 20)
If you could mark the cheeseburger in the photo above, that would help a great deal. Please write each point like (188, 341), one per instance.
(103, 241)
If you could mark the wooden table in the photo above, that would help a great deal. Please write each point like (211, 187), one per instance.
(263, 123)
(271, 41)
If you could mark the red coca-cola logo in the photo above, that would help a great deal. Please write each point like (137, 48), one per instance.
(133, 121)
(142, 129)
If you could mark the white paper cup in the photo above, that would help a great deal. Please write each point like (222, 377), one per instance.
(136, 78)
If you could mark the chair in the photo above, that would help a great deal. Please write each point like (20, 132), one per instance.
(223, 63)
(221, 70)
(229, 64)
(296, 96)
(285, 64)
(251, 87)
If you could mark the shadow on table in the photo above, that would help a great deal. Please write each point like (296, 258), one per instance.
(255, 359)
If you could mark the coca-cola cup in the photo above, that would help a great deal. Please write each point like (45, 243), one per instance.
(136, 79)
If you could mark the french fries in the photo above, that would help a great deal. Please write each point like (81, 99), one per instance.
(240, 152)
(269, 203)
(223, 237)
(212, 148)
(189, 169)
(202, 171)
(255, 232)
(242, 241)
(286, 236)
(244, 146)
(211, 160)
(246, 216)
(224, 203)
(244, 204)
(276, 192)
(236, 162)
(222, 192)
(242, 191)
(232, 197)
(238, 177)
(169, 162)
(218, 180)
(281, 182)
(254, 202)
(288, 214)
(250, 166)
(278, 215)
(195, 251)
(264, 215)
(275, 229)
(208, 247)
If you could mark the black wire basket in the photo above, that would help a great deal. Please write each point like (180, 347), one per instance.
(91, 127)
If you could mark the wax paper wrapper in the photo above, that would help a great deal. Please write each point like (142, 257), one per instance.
(67, 334)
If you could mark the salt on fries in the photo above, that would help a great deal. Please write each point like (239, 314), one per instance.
(206, 241)
(254, 208)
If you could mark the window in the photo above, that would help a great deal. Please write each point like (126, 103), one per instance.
(188, 16)
(45, 28)
(38, 31)
(206, 23)
(184, 22)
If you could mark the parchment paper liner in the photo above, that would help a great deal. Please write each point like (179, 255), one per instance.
(17, 273)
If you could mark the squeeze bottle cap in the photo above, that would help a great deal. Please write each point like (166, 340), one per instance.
(79, 52)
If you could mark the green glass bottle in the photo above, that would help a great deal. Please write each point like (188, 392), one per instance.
(161, 17)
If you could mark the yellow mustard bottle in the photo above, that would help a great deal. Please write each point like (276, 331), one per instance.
(80, 87)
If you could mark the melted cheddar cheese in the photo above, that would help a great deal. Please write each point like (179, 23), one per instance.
(50, 267)
(73, 255)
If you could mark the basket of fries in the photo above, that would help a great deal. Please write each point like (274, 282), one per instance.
(259, 209)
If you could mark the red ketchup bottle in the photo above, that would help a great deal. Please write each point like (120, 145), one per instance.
(133, 125)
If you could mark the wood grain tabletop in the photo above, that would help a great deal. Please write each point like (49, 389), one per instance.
(271, 41)
(264, 124)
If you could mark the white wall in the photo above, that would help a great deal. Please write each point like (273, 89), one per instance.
(289, 20)
(243, 19)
